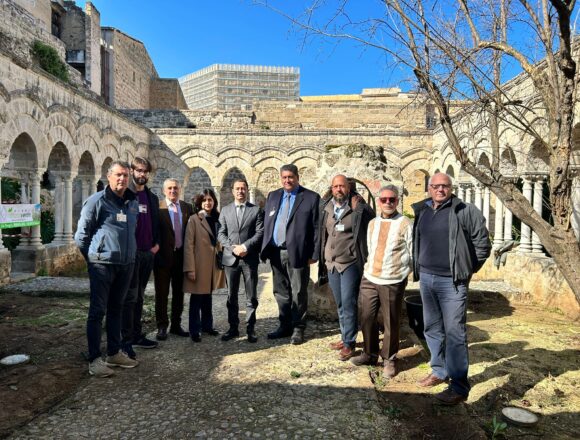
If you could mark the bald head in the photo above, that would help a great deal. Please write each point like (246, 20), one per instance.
(440, 188)
(340, 188)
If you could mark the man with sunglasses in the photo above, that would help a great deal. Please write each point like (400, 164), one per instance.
(389, 241)
(451, 243)
(343, 224)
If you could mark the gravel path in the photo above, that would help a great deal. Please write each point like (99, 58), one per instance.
(221, 389)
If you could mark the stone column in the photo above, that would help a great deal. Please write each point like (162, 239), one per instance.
(58, 211)
(35, 238)
(498, 227)
(67, 211)
(217, 191)
(477, 201)
(461, 192)
(508, 222)
(85, 188)
(252, 195)
(486, 197)
(23, 193)
(526, 237)
(468, 193)
(538, 190)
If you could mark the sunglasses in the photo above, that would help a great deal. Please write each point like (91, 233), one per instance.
(388, 199)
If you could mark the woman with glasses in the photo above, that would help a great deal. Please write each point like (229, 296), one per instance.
(201, 272)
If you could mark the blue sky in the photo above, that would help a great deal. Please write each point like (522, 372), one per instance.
(183, 36)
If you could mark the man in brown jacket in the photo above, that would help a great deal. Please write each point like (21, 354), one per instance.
(173, 217)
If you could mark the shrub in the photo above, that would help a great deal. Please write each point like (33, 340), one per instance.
(49, 60)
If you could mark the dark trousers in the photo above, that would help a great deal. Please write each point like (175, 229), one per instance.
(250, 274)
(386, 299)
(132, 328)
(200, 304)
(108, 284)
(164, 277)
(345, 288)
(445, 316)
(290, 290)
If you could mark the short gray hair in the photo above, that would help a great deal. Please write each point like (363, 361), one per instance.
(390, 187)
(441, 174)
(119, 163)
(171, 179)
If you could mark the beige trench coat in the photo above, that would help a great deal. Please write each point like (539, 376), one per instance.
(199, 255)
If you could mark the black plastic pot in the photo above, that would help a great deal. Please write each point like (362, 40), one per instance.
(415, 313)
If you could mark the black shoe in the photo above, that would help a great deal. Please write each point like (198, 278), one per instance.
(230, 334)
(144, 342)
(128, 348)
(211, 332)
(280, 332)
(161, 334)
(297, 336)
(196, 338)
(178, 331)
(252, 338)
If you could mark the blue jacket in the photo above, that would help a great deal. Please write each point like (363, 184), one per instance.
(106, 229)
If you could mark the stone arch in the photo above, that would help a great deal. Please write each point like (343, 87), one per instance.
(483, 161)
(156, 182)
(23, 157)
(415, 187)
(450, 172)
(268, 180)
(197, 180)
(104, 169)
(508, 164)
(226, 195)
(84, 183)
(538, 159)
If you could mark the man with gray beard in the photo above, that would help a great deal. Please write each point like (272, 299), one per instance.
(343, 224)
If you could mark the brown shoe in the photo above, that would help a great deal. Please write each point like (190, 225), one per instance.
(338, 345)
(430, 381)
(345, 354)
(390, 369)
(450, 397)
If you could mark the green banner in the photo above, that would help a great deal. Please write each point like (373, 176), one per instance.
(16, 216)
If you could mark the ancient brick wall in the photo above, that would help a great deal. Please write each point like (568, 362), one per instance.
(166, 93)
(40, 10)
(93, 47)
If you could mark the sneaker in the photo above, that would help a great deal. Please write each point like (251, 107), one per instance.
(121, 360)
(144, 342)
(98, 368)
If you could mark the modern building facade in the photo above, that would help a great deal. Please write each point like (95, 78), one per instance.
(237, 87)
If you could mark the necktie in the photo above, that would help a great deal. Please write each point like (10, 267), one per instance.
(176, 227)
(336, 212)
(240, 214)
(282, 221)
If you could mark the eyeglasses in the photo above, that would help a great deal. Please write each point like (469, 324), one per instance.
(388, 200)
(140, 171)
(440, 186)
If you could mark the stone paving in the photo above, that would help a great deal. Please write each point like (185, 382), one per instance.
(218, 389)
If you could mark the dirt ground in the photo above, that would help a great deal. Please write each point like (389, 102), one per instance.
(521, 355)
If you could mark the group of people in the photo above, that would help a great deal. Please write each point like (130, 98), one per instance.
(126, 232)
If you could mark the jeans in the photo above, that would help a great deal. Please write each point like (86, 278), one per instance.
(345, 287)
(290, 290)
(132, 329)
(250, 274)
(200, 304)
(445, 314)
(109, 284)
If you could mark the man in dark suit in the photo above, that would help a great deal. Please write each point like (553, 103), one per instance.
(173, 217)
(240, 233)
(291, 243)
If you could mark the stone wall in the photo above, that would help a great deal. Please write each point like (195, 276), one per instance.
(166, 93)
(73, 28)
(93, 48)
(538, 280)
(41, 11)
(131, 71)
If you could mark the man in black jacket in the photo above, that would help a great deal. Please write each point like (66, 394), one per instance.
(343, 250)
(291, 243)
(147, 236)
(450, 243)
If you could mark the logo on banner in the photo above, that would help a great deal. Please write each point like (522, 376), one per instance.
(16, 216)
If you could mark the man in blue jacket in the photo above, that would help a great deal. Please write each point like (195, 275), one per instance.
(451, 242)
(291, 242)
(106, 238)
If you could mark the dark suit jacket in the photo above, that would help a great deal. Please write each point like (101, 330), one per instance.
(249, 233)
(302, 233)
(164, 258)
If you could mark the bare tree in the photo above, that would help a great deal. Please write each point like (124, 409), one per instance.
(464, 49)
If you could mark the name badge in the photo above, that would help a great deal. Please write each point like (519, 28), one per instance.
(339, 227)
(272, 213)
(121, 217)
(142, 209)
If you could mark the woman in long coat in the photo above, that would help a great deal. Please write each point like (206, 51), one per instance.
(201, 274)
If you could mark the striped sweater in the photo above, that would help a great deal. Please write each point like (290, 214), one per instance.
(390, 244)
